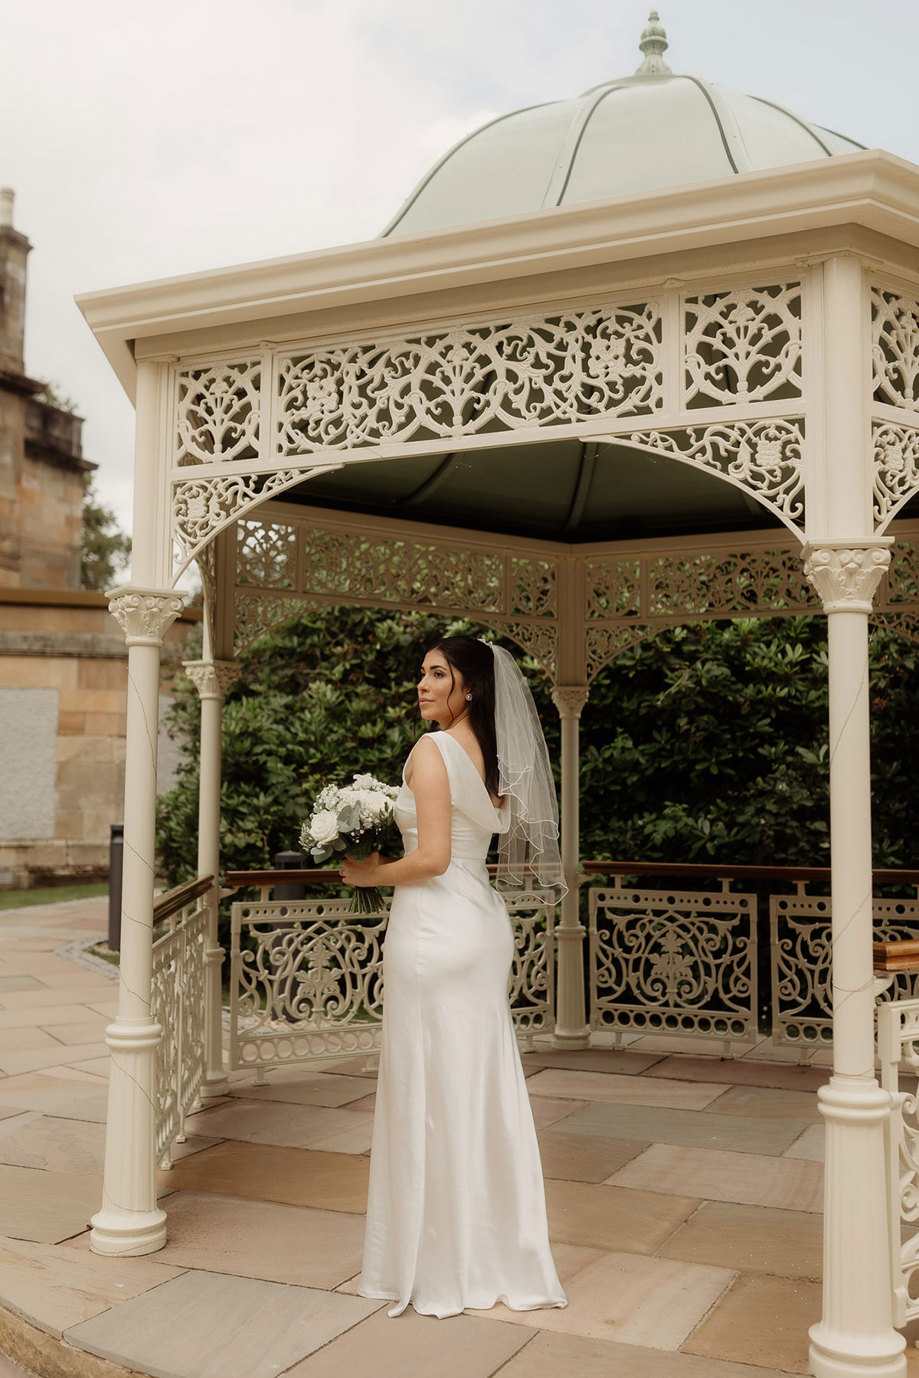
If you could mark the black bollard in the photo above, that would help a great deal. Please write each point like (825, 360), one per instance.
(115, 866)
(288, 861)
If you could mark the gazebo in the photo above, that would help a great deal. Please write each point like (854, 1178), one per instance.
(592, 379)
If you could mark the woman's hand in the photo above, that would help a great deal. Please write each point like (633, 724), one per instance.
(355, 872)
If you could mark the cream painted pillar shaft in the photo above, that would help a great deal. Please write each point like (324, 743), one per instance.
(129, 1221)
(571, 1029)
(855, 1335)
(211, 678)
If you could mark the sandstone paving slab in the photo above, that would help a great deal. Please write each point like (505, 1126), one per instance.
(45, 1016)
(274, 1122)
(624, 1063)
(98, 1066)
(363, 1065)
(614, 1218)
(582, 1158)
(45, 1207)
(740, 1072)
(13, 1063)
(690, 1128)
(262, 1172)
(89, 1030)
(12, 984)
(212, 1325)
(762, 1320)
(811, 1144)
(58, 1145)
(257, 1239)
(26, 1039)
(662, 1044)
(715, 1175)
(56, 1286)
(73, 994)
(550, 1109)
(624, 1090)
(92, 1107)
(73, 977)
(550, 1354)
(768, 1102)
(40, 1091)
(801, 1055)
(752, 1239)
(654, 1302)
(413, 1346)
(310, 1088)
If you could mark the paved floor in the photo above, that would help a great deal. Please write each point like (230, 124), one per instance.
(684, 1196)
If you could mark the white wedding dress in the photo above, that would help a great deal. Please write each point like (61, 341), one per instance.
(456, 1215)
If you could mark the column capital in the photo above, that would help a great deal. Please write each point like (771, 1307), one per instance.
(570, 699)
(144, 615)
(846, 574)
(212, 678)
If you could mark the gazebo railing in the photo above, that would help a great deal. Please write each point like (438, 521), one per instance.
(689, 961)
(178, 1006)
(306, 980)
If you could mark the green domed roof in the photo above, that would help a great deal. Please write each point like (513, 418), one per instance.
(640, 133)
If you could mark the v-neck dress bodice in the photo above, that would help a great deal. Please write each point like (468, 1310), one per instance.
(456, 1216)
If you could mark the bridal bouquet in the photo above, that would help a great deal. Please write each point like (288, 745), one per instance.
(357, 819)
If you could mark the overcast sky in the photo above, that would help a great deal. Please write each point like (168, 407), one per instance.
(145, 138)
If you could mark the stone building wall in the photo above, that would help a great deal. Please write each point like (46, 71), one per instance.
(63, 676)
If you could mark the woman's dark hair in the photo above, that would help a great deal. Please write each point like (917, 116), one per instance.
(476, 663)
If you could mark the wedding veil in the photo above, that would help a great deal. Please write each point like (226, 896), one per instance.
(528, 849)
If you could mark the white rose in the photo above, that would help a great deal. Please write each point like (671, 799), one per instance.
(324, 826)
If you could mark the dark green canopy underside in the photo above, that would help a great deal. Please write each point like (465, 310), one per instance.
(558, 490)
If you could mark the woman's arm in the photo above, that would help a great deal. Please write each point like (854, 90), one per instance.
(431, 788)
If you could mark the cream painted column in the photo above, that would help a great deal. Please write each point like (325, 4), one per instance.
(571, 1030)
(130, 1221)
(212, 679)
(855, 1334)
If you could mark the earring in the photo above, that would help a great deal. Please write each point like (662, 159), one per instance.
(468, 698)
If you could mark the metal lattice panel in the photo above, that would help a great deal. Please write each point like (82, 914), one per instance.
(673, 961)
(177, 1005)
(895, 348)
(306, 977)
(743, 346)
(500, 376)
(802, 950)
(898, 1049)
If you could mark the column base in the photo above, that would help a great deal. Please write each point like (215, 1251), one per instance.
(572, 1039)
(127, 1234)
(831, 1357)
(211, 1087)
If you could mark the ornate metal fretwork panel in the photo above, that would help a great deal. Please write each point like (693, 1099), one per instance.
(631, 598)
(517, 593)
(669, 961)
(502, 376)
(801, 942)
(896, 466)
(177, 1005)
(246, 427)
(898, 1050)
(306, 977)
(764, 457)
(895, 348)
(218, 411)
(743, 346)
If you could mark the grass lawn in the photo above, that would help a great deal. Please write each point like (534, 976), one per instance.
(52, 894)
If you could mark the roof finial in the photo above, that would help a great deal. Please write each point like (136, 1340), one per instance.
(653, 44)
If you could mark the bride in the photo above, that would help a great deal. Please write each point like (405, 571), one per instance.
(456, 1215)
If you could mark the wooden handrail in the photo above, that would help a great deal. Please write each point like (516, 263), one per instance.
(176, 899)
(677, 869)
(897, 955)
(693, 870)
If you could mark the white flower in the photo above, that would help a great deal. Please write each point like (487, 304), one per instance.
(324, 826)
